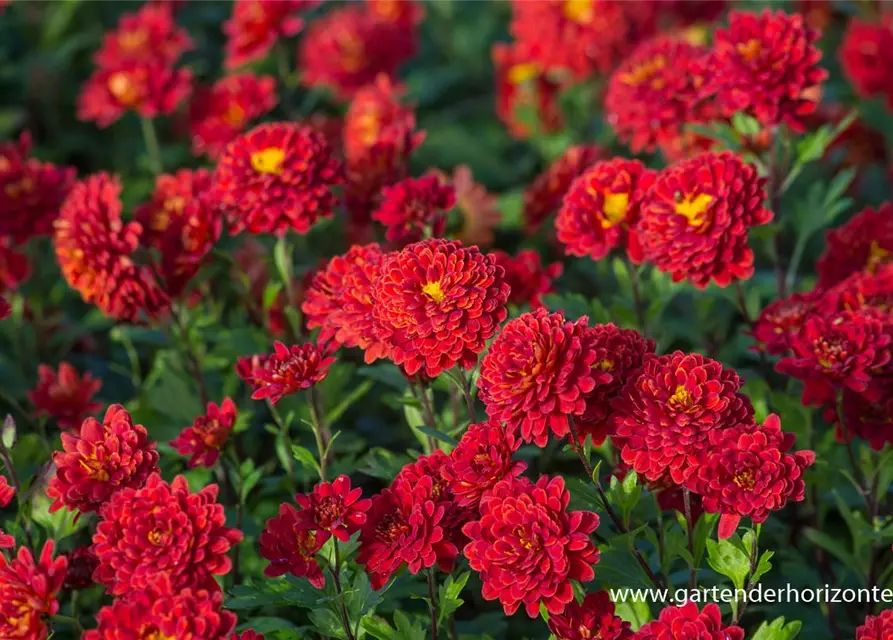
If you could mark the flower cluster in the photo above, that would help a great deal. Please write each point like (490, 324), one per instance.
(64, 395)
(207, 435)
(414, 208)
(686, 622)
(28, 591)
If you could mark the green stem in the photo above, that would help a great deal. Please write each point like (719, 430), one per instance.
(638, 304)
(690, 526)
(150, 138)
(69, 620)
(466, 391)
(336, 577)
(319, 432)
(286, 437)
(428, 416)
(432, 601)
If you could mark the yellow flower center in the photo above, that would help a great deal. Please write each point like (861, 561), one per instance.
(352, 52)
(604, 365)
(153, 634)
(368, 126)
(745, 479)
(122, 87)
(94, 468)
(434, 291)
(523, 72)
(640, 74)
(234, 115)
(156, 537)
(749, 50)
(694, 208)
(132, 40)
(681, 397)
(615, 208)
(877, 256)
(580, 11)
(268, 160)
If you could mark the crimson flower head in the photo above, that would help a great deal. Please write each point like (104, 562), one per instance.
(248, 366)
(332, 509)
(685, 622)
(28, 591)
(866, 55)
(82, 563)
(207, 435)
(523, 86)
(482, 458)
(871, 420)
(7, 492)
(277, 177)
(876, 627)
(528, 279)
(219, 113)
(528, 548)
(288, 370)
(862, 291)
(31, 191)
(100, 460)
(290, 549)
(256, 26)
(413, 206)
(600, 210)
(64, 395)
(148, 33)
(694, 220)
(544, 195)
(780, 322)
(162, 529)
(436, 305)
(664, 416)
(768, 66)
(864, 243)
(95, 247)
(593, 618)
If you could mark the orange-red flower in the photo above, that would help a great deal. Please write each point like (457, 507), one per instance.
(592, 618)
(146, 34)
(95, 247)
(209, 432)
(275, 178)
(414, 208)
(694, 220)
(780, 322)
(287, 370)
(527, 278)
(220, 112)
(100, 460)
(64, 395)
(864, 243)
(436, 305)
(528, 548)
(601, 209)
(543, 197)
(332, 509)
(162, 529)
(406, 13)
(866, 55)
(256, 25)
(28, 592)
(290, 549)
(877, 627)
(524, 92)
(31, 191)
(685, 622)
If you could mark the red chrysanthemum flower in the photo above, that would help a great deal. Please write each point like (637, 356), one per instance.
(65, 396)
(219, 113)
(436, 305)
(332, 509)
(694, 220)
(879, 627)
(277, 177)
(837, 351)
(28, 592)
(148, 33)
(82, 562)
(7, 492)
(870, 420)
(290, 549)
(748, 472)
(592, 618)
(209, 432)
(482, 458)
(864, 243)
(601, 208)
(95, 247)
(256, 25)
(866, 55)
(101, 459)
(248, 366)
(528, 548)
(162, 529)
(405, 525)
(527, 278)
(287, 370)
(162, 610)
(523, 88)
(544, 195)
(768, 66)
(685, 622)
(780, 322)
(31, 191)
(664, 416)
(413, 206)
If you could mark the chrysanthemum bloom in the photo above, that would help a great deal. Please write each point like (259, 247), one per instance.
(685, 622)
(163, 611)
(866, 55)
(100, 460)
(256, 25)
(664, 416)
(780, 321)
(28, 592)
(749, 472)
(31, 191)
(528, 548)
(413, 207)
(694, 220)
(277, 177)
(162, 529)
(288, 370)
(864, 243)
(538, 373)
(877, 627)
(220, 112)
(290, 549)
(209, 432)
(482, 458)
(332, 509)
(768, 66)
(526, 276)
(842, 350)
(65, 396)
(600, 210)
(95, 247)
(248, 366)
(521, 88)
(405, 525)
(82, 562)
(593, 618)
(348, 47)
(544, 195)
(143, 35)
(6, 494)
(436, 305)
(870, 420)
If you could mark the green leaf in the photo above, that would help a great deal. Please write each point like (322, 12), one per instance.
(729, 560)
(625, 495)
(448, 596)
(327, 623)
(8, 434)
(777, 630)
(271, 292)
(348, 401)
(414, 419)
(745, 125)
(833, 547)
(305, 457)
(437, 435)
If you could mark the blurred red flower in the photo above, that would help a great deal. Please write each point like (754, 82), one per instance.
(332, 509)
(685, 622)
(147, 34)
(82, 562)
(524, 92)
(415, 208)
(866, 55)
(28, 592)
(871, 420)
(209, 432)
(864, 243)
(287, 370)
(64, 395)
(527, 278)
(256, 25)
(780, 321)
(592, 618)
(290, 549)
(478, 208)
(544, 195)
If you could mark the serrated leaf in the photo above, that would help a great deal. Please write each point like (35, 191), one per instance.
(448, 596)
(778, 630)
(729, 560)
